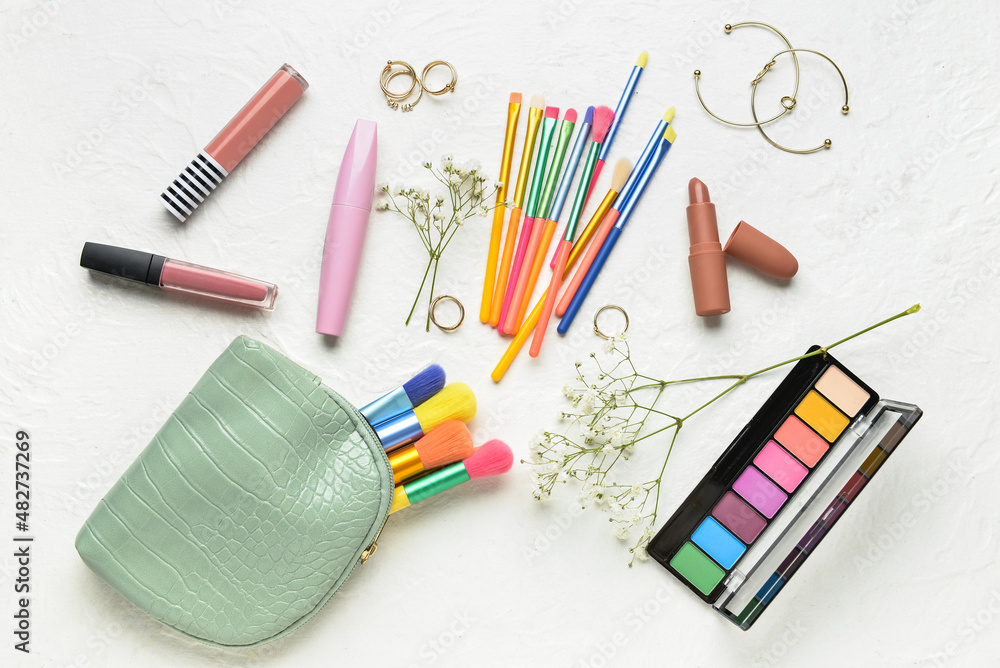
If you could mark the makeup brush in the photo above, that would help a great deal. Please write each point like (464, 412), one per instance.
(622, 170)
(446, 443)
(534, 120)
(455, 402)
(669, 136)
(612, 217)
(603, 116)
(542, 230)
(490, 459)
(409, 395)
(532, 320)
(499, 211)
(633, 81)
(530, 211)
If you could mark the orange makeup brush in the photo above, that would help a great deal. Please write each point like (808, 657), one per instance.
(603, 118)
(622, 170)
(490, 459)
(499, 211)
(534, 121)
(447, 443)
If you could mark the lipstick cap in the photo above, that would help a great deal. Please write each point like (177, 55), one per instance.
(122, 262)
(761, 252)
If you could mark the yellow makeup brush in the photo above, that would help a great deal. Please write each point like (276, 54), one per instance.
(455, 402)
(499, 211)
(534, 120)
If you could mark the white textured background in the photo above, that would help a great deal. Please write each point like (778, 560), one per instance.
(103, 104)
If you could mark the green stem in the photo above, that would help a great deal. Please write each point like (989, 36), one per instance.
(419, 290)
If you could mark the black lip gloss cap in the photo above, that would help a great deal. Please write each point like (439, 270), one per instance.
(122, 262)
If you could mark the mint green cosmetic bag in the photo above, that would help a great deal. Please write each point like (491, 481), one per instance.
(250, 507)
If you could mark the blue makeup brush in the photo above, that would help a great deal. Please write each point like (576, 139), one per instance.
(411, 394)
(664, 144)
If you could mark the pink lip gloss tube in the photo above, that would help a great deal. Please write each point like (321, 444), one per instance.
(178, 276)
(232, 144)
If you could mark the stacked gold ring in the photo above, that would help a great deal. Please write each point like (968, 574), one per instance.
(418, 84)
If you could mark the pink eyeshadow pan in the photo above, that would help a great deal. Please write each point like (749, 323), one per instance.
(762, 494)
(780, 466)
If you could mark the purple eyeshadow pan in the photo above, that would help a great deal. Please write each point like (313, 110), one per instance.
(762, 494)
(738, 517)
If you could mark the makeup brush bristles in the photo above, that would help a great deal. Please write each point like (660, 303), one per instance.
(455, 402)
(424, 385)
(537, 101)
(570, 115)
(515, 98)
(449, 442)
(618, 178)
(603, 118)
(491, 458)
(551, 112)
(669, 116)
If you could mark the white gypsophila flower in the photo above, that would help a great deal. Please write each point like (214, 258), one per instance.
(623, 531)
(640, 553)
(614, 507)
(456, 179)
(471, 166)
(568, 391)
(498, 184)
(622, 336)
(617, 438)
(427, 164)
(608, 448)
(554, 468)
(609, 345)
(447, 160)
(635, 489)
(620, 397)
(586, 405)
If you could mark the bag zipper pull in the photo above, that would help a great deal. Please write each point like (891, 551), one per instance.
(371, 548)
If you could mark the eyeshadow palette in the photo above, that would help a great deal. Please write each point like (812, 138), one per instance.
(780, 486)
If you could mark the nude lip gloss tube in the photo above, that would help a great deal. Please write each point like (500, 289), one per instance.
(178, 276)
(232, 144)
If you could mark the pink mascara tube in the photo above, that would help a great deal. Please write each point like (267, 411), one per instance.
(231, 145)
(346, 229)
(178, 276)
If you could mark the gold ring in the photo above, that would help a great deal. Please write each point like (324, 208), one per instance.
(448, 88)
(597, 330)
(388, 74)
(461, 313)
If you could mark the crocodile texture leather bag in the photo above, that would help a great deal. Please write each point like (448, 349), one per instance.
(250, 507)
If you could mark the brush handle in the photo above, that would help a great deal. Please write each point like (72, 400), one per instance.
(548, 231)
(516, 313)
(515, 271)
(588, 259)
(436, 482)
(588, 280)
(502, 275)
(491, 261)
(562, 255)
(387, 407)
(597, 169)
(522, 334)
